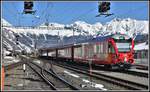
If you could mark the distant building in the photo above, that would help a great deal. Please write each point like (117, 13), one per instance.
(141, 50)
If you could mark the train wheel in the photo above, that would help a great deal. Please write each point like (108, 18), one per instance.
(107, 66)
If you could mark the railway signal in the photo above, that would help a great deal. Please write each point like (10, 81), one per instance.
(103, 8)
(24, 68)
(28, 7)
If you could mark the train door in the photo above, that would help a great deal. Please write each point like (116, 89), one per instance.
(111, 52)
(98, 48)
(105, 51)
(85, 51)
(90, 51)
(78, 52)
(111, 49)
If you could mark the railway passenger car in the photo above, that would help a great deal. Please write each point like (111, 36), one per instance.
(112, 51)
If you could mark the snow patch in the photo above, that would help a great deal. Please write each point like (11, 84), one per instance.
(95, 85)
(37, 61)
(9, 57)
(76, 76)
(89, 83)
(5, 23)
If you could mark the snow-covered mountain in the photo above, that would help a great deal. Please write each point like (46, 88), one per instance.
(5, 23)
(55, 33)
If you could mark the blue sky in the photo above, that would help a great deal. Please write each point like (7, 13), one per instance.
(69, 12)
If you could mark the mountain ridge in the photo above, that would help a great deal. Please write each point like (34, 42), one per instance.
(76, 31)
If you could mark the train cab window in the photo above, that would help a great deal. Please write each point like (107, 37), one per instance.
(111, 49)
(124, 45)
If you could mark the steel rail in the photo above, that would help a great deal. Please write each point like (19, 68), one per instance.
(118, 81)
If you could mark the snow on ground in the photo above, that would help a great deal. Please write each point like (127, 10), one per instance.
(88, 83)
(9, 59)
(44, 54)
(27, 49)
(37, 61)
(76, 76)
(7, 52)
(5, 23)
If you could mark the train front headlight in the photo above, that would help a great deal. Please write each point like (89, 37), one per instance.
(125, 59)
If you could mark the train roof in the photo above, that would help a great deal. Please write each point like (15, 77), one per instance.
(105, 38)
(60, 47)
(101, 38)
(96, 39)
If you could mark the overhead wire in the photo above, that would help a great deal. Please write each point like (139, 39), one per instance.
(12, 13)
(67, 7)
(128, 12)
(82, 15)
(43, 14)
(18, 14)
(116, 15)
(40, 17)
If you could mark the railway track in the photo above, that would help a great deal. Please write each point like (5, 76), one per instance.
(118, 81)
(51, 78)
(11, 66)
(136, 73)
(130, 72)
(101, 68)
(142, 67)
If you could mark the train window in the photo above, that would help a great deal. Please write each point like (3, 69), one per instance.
(91, 50)
(123, 47)
(80, 51)
(94, 46)
(68, 52)
(82, 48)
(105, 47)
(97, 48)
(111, 49)
(102, 47)
(123, 40)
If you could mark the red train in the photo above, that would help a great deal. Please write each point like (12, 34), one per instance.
(112, 51)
